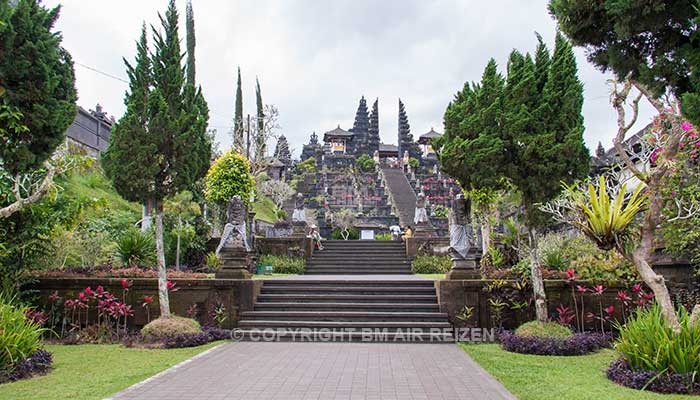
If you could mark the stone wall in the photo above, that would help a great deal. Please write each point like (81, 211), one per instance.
(236, 295)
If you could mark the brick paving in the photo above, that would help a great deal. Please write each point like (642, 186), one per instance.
(326, 371)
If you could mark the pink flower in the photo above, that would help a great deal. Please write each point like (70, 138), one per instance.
(146, 301)
(648, 296)
(686, 126)
(570, 273)
(54, 297)
(623, 295)
(170, 286)
(610, 310)
(126, 284)
(100, 290)
(81, 296)
(637, 288)
(581, 289)
(598, 289)
(88, 291)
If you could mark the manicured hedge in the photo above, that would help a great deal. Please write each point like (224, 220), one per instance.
(574, 345)
(431, 264)
(621, 373)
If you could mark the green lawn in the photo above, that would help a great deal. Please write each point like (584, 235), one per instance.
(256, 276)
(95, 371)
(432, 276)
(556, 378)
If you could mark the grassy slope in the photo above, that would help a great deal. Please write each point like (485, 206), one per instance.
(94, 185)
(265, 210)
(555, 378)
(95, 371)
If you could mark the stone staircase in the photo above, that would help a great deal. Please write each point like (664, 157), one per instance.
(359, 257)
(402, 194)
(342, 309)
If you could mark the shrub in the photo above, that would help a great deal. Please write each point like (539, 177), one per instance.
(574, 345)
(212, 262)
(440, 211)
(364, 163)
(136, 248)
(337, 234)
(548, 329)
(383, 236)
(36, 364)
(284, 264)
(229, 176)
(162, 328)
(621, 373)
(431, 264)
(20, 336)
(196, 339)
(647, 343)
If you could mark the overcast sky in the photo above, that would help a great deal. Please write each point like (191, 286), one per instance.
(315, 59)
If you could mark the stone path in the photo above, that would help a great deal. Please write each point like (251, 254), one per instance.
(248, 370)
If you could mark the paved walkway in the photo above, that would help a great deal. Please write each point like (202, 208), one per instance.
(326, 371)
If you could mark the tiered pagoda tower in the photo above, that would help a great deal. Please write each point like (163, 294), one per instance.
(373, 131)
(360, 130)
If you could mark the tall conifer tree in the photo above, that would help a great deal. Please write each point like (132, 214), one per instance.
(191, 43)
(238, 139)
(260, 146)
(163, 147)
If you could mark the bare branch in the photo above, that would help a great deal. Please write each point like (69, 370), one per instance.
(41, 190)
(618, 99)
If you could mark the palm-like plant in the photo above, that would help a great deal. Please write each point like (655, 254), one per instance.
(606, 215)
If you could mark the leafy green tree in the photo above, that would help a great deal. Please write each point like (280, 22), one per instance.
(228, 177)
(504, 133)
(654, 43)
(37, 99)
(652, 49)
(184, 208)
(161, 143)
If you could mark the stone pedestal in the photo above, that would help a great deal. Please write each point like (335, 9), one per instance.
(467, 268)
(424, 230)
(235, 263)
(299, 229)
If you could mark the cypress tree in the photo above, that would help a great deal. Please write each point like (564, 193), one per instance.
(542, 60)
(260, 144)
(238, 139)
(38, 81)
(191, 42)
(165, 141)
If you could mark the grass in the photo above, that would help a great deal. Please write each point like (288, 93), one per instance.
(95, 371)
(265, 210)
(256, 276)
(432, 276)
(554, 378)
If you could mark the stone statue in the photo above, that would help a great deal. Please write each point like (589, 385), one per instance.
(299, 215)
(235, 223)
(375, 156)
(421, 216)
(460, 227)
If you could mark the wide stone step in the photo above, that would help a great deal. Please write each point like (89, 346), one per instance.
(359, 253)
(351, 282)
(272, 289)
(341, 325)
(347, 298)
(358, 264)
(373, 335)
(350, 271)
(349, 316)
(294, 306)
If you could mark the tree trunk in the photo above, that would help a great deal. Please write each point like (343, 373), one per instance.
(177, 248)
(537, 282)
(160, 252)
(486, 229)
(146, 213)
